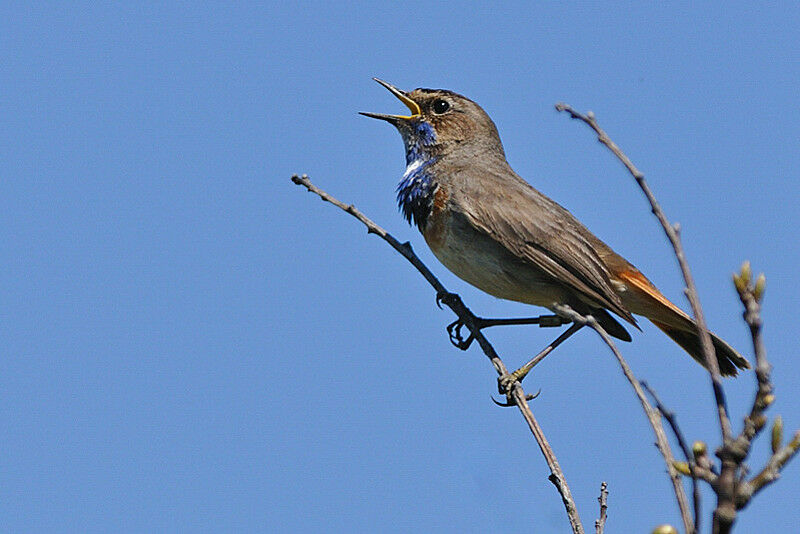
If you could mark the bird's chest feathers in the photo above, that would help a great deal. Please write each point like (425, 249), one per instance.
(417, 191)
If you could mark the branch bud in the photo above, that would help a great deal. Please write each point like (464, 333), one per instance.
(699, 449)
(769, 398)
(746, 272)
(665, 529)
(777, 434)
(761, 285)
(741, 285)
(682, 468)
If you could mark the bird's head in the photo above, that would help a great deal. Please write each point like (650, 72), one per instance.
(442, 122)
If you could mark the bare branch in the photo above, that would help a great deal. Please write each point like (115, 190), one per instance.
(669, 415)
(751, 296)
(600, 524)
(708, 475)
(662, 443)
(454, 302)
(673, 235)
(731, 453)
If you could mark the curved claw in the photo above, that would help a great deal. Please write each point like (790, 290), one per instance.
(444, 297)
(507, 404)
(503, 404)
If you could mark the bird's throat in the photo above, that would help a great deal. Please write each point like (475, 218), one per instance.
(419, 138)
(415, 193)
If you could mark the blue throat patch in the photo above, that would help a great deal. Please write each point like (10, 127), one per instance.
(416, 190)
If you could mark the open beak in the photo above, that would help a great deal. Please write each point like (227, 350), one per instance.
(403, 97)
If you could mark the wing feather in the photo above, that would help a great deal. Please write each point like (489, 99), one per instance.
(537, 229)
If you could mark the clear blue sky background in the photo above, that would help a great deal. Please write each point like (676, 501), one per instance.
(190, 342)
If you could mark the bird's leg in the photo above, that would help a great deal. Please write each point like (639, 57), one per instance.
(454, 328)
(544, 321)
(506, 383)
(475, 323)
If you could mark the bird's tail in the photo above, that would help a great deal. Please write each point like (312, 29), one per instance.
(727, 357)
(643, 298)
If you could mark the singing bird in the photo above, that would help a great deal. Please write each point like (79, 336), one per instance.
(495, 231)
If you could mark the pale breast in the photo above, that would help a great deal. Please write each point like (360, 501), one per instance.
(479, 260)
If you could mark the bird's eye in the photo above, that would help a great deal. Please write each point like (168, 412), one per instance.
(440, 106)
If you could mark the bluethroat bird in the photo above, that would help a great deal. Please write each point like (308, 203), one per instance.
(492, 229)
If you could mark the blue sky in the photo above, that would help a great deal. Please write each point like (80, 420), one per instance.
(190, 342)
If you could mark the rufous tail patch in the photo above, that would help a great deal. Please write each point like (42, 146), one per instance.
(637, 281)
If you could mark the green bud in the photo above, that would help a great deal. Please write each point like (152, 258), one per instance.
(682, 468)
(761, 285)
(699, 448)
(746, 272)
(777, 434)
(665, 529)
(739, 283)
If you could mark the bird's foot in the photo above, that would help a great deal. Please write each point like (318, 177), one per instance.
(505, 383)
(466, 318)
(510, 402)
(475, 324)
(447, 298)
(456, 337)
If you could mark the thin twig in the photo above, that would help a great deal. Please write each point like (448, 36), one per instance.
(673, 234)
(707, 474)
(600, 524)
(652, 415)
(771, 471)
(731, 460)
(669, 415)
(751, 295)
(455, 303)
